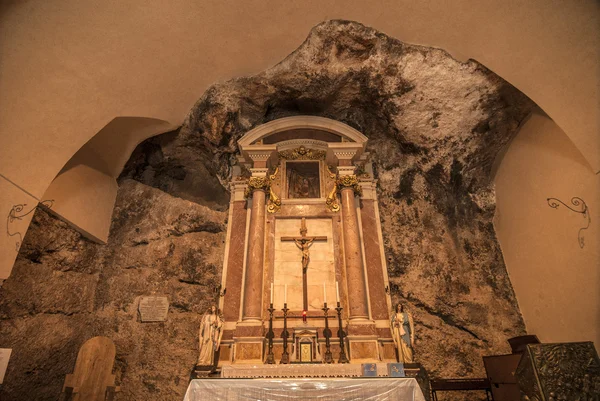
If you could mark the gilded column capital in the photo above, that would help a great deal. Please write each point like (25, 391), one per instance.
(349, 181)
(257, 184)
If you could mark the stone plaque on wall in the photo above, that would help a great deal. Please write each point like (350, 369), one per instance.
(4, 357)
(153, 309)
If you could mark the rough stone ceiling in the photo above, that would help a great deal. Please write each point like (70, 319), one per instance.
(95, 61)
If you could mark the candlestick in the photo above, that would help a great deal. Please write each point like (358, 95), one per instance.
(337, 292)
(285, 294)
(324, 293)
(270, 335)
(271, 293)
(285, 356)
(327, 357)
(341, 335)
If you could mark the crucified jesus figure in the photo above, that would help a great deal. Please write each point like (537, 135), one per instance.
(304, 244)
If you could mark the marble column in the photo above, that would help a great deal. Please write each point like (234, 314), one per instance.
(355, 275)
(256, 248)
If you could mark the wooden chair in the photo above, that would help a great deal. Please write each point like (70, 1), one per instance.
(92, 379)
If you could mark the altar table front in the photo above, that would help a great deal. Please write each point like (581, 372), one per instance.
(344, 389)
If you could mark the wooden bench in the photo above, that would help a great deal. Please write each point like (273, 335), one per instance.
(459, 385)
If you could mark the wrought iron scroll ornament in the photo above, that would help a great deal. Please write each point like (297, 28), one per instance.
(16, 213)
(579, 207)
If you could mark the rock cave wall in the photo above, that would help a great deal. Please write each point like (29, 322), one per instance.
(65, 289)
(435, 127)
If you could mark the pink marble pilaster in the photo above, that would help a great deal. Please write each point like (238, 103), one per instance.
(233, 281)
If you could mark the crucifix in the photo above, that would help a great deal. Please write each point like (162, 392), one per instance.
(304, 243)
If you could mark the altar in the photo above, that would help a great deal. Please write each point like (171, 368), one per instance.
(304, 276)
(345, 389)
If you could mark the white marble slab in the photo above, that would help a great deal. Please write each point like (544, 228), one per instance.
(288, 264)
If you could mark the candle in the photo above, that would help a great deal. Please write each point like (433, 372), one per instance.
(324, 294)
(285, 294)
(337, 292)
(271, 293)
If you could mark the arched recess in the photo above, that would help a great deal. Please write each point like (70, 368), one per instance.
(551, 254)
(85, 190)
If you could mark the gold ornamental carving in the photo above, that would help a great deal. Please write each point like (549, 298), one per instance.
(349, 181)
(332, 200)
(274, 201)
(302, 153)
(257, 183)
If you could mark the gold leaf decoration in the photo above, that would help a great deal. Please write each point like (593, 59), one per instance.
(302, 153)
(256, 183)
(332, 201)
(349, 181)
(274, 200)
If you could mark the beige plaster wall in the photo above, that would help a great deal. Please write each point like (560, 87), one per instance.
(11, 196)
(85, 197)
(84, 191)
(557, 283)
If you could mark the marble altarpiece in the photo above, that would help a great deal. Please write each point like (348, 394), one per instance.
(313, 175)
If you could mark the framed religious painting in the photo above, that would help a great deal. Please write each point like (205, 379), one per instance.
(303, 179)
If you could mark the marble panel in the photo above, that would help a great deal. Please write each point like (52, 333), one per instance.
(334, 348)
(287, 266)
(278, 351)
(384, 333)
(249, 331)
(389, 351)
(364, 350)
(224, 352)
(362, 329)
(248, 351)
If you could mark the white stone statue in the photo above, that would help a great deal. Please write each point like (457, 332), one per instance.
(403, 332)
(209, 335)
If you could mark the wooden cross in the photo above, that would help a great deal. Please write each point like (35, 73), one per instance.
(304, 243)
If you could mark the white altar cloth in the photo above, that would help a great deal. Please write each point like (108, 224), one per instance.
(358, 389)
(300, 370)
